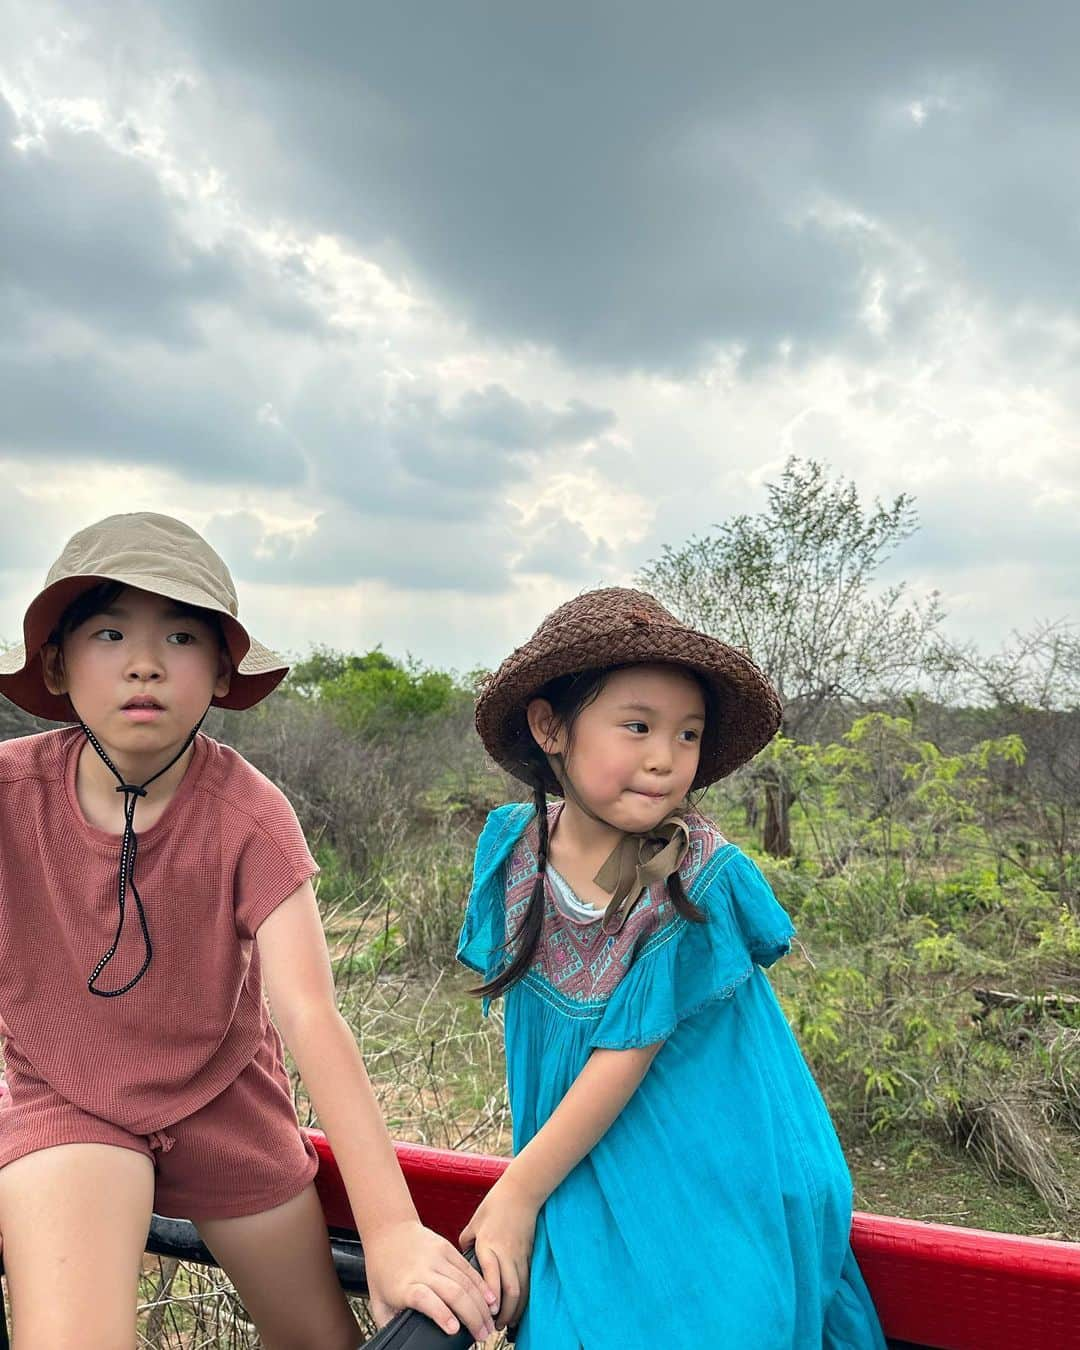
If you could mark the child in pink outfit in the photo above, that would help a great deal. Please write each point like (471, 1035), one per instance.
(152, 884)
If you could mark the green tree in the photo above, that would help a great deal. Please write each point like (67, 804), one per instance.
(1032, 683)
(793, 588)
(325, 664)
(377, 696)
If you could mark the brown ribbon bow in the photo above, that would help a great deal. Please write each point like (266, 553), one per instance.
(637, 861)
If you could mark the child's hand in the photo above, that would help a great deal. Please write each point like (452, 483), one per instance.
(409, 1266)
(502, 1231)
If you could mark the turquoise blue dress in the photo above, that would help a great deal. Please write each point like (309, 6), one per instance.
(716, 1210)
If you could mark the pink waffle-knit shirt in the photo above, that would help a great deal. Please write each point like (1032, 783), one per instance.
(225, 852)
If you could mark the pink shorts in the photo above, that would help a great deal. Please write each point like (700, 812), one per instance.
(240, 1154)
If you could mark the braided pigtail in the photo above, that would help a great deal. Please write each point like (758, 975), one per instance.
(532, 923)
(682, 902)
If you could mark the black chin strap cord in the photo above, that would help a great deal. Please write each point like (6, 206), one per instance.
(129, 849)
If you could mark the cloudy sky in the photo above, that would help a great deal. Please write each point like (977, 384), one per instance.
(431, 315)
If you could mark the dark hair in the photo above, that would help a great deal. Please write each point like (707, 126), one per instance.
(568, 695)
(101, 596)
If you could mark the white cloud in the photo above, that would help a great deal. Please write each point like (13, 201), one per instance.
(418, 370)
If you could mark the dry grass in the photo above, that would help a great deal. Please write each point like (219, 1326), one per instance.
(1007, 1139)
(189, 1307)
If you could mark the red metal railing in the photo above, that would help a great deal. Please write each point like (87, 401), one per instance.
(933, 1285)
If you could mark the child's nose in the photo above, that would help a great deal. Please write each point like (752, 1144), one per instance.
(143, 664)
(658, 757)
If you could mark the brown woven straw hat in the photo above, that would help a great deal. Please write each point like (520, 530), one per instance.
(619, 627)
(154, 553)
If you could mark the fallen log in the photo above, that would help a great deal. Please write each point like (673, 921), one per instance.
(1004, 998)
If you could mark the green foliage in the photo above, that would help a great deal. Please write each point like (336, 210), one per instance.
(325, 664)
(383, 698)
(335, 885)
(1060, 939)
(373, 694)
(884, 792)
(907, 893)
(384, 952)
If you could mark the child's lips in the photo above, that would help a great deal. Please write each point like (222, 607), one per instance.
(142, 710)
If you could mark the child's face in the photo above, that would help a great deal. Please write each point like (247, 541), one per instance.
(634, 750)
(141, 672)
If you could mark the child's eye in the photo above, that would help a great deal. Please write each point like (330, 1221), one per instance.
(109, 635)
(181, 639)
(642, 728)
(691, 736)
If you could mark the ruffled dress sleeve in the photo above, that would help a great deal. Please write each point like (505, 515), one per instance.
(483, 933)
(684, 966)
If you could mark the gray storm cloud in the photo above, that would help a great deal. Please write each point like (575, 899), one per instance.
(636, 185)
(635, 248)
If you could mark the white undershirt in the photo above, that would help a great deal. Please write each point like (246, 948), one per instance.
(568, 903)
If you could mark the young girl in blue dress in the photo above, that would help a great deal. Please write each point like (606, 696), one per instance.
(677, 1180)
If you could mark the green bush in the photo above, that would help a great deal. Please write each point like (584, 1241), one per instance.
(373, 694)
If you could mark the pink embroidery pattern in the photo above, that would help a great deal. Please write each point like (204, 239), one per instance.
(580, 961)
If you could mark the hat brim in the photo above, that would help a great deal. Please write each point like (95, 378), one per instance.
(746, 710)
(257, 670)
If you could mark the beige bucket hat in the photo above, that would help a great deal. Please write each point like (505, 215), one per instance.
(615, 626)
(154, 553)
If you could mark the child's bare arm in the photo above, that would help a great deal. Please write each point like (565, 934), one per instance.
(502, 1227)
(595, 1098)
(407, 1264)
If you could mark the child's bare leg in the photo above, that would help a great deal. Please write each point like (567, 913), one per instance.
(74, 1220)
(280, 1263)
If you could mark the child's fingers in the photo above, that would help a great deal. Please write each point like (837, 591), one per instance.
(492, 1272)
(515, 1294)
(425, 1300)
(456, 1301)
(508, 1303)
(487, 1291)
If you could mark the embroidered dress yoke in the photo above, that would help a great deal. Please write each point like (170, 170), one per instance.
(716, 1210)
